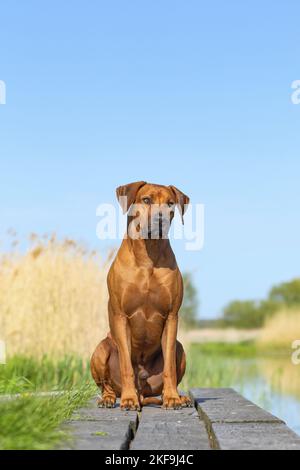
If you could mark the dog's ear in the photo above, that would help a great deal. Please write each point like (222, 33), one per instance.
(126, 194)
(182, 201)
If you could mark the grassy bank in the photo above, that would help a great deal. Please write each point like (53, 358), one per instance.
(244, 366)
(242, 349)
(22, 374)
(33, 422)
(218, 364)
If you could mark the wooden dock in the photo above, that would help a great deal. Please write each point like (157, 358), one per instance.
(221, 419)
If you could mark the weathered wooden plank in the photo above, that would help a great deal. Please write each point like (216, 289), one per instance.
(233, 422)
(93, 428)
(258, 436)
(161, 429)
(225, 405)
(223, 420)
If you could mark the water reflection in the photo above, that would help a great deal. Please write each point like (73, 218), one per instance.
(273, 384)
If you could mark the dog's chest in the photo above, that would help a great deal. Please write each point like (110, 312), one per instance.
(149, 294)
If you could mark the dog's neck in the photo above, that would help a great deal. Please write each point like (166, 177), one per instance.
(152, 252)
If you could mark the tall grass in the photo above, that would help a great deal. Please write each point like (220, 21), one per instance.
(281, 329)
(53, 299)
(218, 365)
(33, 423)
(27, 374)
(283, 375)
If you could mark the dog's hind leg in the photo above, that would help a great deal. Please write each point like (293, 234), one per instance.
(100, 373)
(153, 385)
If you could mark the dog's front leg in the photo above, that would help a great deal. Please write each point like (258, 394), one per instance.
(129, 398)
(171, 397)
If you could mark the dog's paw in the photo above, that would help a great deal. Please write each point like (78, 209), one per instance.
(186, 401)
(172, 402)
(130, 402)
(106, 401)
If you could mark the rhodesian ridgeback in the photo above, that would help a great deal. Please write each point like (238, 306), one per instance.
(140, 358)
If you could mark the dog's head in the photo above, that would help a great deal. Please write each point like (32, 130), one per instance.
(151, 207)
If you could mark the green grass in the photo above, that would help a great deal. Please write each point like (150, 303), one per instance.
(22, 374)
(33, 422)
(218, 365)
(268, 378)
(242, 350)
(237, 365)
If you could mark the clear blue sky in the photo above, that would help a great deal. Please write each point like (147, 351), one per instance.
(195, 94)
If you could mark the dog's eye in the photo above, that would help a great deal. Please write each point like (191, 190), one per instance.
(171, 203)
(147, 200)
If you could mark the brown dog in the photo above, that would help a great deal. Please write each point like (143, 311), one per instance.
(141, 357)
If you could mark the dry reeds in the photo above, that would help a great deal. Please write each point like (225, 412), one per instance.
(282, 329)
(53, 299)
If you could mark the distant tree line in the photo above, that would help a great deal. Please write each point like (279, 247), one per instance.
(239, 313)
(252, 314)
